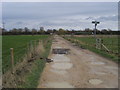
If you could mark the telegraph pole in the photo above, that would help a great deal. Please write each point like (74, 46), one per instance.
(98, 40)
(95, 22)
(3, 27)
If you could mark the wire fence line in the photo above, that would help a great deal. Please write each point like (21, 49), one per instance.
(107, 45)
(27, 50)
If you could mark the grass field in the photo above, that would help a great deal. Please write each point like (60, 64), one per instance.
(89, 42)
(110, 42)
(19, 43)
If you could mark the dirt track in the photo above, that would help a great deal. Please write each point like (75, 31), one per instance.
(80, 68)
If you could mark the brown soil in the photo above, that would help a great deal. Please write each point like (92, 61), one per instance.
(80, 68)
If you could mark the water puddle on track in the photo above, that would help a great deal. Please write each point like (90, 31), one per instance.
(59, 85)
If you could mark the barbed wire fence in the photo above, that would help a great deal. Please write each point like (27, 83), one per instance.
(110, 46)
(24, 61)
(19, 53)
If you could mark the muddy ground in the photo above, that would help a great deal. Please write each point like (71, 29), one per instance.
(80, 68)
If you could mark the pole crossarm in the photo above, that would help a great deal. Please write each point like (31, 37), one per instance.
(95, 22)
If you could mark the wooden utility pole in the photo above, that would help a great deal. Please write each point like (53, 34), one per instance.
(3, 27)
(95, 22)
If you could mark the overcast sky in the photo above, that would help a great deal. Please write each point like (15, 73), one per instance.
(67, 15)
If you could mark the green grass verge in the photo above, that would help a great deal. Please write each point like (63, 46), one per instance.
(91, 41)
(110, 42)
(102, 53)
(32, 79)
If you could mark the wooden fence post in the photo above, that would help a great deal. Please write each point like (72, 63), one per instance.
(12, 58)
(35, 46)
(111, 46)
(32, 49)
(96, 43)
(28, 50)
(101, 44)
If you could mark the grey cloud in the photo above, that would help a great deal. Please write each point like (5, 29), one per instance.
(108, 18)
(104, 18)
(19, 23)
(57, 14)
(48, 10)
(90, 18)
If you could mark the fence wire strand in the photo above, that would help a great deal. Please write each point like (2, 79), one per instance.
(19, 54)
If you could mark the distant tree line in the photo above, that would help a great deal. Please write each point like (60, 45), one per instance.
(41, 31)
